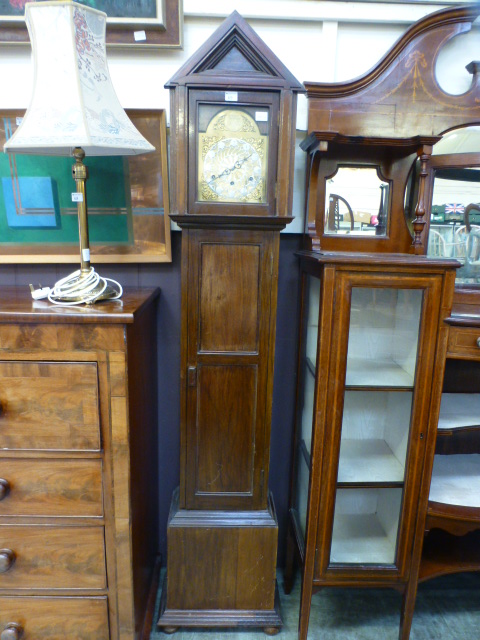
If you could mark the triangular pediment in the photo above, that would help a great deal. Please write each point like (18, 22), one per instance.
(235, 50)
(234, 60)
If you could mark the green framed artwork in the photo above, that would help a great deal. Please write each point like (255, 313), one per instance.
(127, 201)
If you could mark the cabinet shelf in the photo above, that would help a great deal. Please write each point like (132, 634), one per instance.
(369, 461)
(456, 480)
(360, 539)
(379, 373)
(445, 553)
(459, 410)
(365, 525)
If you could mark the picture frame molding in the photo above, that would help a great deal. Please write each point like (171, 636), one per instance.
(140, 33)
(155, 252)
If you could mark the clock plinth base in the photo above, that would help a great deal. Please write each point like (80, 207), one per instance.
(221, 569)
(171, 620)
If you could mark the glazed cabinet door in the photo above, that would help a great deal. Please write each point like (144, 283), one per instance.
(305, 424)
(229, 345)
(382, 352)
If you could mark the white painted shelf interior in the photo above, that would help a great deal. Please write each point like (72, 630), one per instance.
(456, 480)
(459, 410)
(365, 526)
(381, 360)
(383, 338)
(375, 432)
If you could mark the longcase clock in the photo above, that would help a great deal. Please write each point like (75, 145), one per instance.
(233, 110)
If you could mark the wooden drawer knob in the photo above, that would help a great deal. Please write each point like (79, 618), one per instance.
(478, 342)
(12, 631)
(7, 559)
(4, 488)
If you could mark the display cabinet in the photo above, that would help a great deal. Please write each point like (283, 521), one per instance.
(452, 539)
(371, 356)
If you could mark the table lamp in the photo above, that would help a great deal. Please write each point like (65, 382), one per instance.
(74, 111)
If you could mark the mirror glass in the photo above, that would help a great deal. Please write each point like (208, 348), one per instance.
(464, 140)
(455, 219)
(356, 203)
(455, 213)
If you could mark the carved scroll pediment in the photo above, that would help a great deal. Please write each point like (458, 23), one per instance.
(402, 93)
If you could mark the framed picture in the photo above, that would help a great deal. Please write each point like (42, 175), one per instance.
(130, 23)
(127, 201)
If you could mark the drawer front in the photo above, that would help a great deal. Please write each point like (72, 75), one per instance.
(45, 557)
(49, 406)
(50, 487)
(56, 618)
(463, 341)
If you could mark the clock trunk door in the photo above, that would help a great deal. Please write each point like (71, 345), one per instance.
(229, 346)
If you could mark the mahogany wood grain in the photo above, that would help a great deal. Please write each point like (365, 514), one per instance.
(242, 577)
(401, 94)
(243, 544)
(43, 618)
(458, 440)
(225, 429)
(78, 438)
(53, 487)
(49, 406)
(340, 274)
(17, 306)
(229, 297)
(227, 366)
(224, 574)
(49, 557)
(444, 553)
(464, 342)
(376, 118)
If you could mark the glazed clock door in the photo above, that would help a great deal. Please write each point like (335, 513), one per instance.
(379, 412)
(233, 152)
(229, 343)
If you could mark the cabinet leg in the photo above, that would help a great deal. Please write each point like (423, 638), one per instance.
(408, 607)
(305, 604)
(169, 630)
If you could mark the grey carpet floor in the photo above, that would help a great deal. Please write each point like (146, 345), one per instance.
(447, 608)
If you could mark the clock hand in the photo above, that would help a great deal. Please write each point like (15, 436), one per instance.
(226, 172)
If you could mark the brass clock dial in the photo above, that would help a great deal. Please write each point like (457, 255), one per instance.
(232, 158)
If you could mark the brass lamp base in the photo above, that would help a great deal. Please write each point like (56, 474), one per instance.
(84, 286)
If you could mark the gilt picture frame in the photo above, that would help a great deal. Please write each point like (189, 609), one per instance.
(128, 202)
(130, 23)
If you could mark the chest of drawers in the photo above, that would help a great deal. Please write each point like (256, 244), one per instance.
(78, 485)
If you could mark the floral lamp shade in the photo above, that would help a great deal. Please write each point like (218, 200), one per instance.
(74, 103)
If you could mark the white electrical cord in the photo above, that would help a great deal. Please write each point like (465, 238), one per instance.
(79, 288)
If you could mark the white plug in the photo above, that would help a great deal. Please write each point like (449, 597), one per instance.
(41, 293)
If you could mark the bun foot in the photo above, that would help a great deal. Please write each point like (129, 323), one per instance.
(271, 631)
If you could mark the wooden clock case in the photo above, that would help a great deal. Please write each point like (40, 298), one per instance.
(222, 528)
